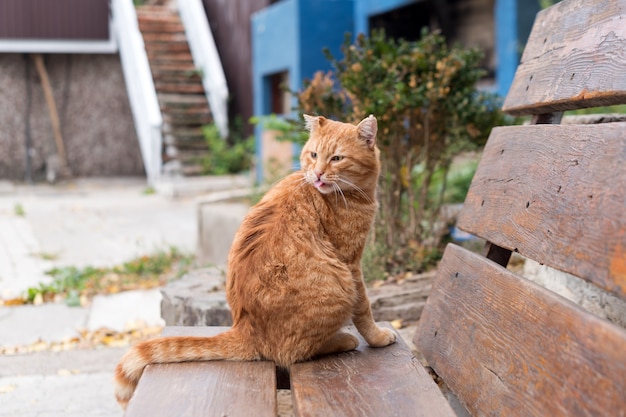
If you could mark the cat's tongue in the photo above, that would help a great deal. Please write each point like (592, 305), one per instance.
(319, 184)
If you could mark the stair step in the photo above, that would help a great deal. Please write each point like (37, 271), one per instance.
(182, 131)
(165, 87)
(168, 47)
(186, 143)
(188, 157)
(188, 119)
(174, 67)
(171, 57)
(164, 37)
(147, 26)
(183, 79)
(155, 12)
(182, 99)
(192, 171)
(199, 146)
(189, 110)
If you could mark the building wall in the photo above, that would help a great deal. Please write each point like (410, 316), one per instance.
(96, 121)
(289, 37)
(230, 26)
(59, 19)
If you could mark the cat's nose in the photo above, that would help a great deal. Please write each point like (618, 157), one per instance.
(318, 173)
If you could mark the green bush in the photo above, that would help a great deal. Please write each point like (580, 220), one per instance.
(227, 156)
(424, 96)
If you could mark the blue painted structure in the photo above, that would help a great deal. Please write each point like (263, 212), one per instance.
(363, 9)
(289, 36)
(514, 19)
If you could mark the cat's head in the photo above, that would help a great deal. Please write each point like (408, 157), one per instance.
(341, 157)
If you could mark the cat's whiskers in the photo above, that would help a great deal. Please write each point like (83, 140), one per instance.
(340, 191)
(303, 181)
(357, 188)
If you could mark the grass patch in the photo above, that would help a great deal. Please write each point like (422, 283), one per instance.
(18, 210)
(74, 284)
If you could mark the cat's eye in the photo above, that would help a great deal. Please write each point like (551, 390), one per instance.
(313, 155)
(336, 158)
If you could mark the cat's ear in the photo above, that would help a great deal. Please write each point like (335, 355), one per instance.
(311, 123)
(367, 130)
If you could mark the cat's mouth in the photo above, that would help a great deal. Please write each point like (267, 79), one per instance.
(319, 184)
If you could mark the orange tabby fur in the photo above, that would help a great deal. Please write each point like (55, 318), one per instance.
(294, 275)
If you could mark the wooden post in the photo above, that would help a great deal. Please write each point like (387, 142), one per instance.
(52, 108)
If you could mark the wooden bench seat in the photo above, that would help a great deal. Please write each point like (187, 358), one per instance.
(504, 345)
(365, 382)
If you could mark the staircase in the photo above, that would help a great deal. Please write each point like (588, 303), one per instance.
(180, 93)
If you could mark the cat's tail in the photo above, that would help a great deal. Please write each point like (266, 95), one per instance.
(229, 345)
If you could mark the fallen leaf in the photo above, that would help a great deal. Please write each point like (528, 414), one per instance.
(7, 388)
(38, 300)
(397, 324)
(68, 372)
(13, 302)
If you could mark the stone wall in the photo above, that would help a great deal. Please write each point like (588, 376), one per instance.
(94, 111)
(583, 293)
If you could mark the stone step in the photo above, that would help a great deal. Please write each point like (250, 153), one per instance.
(190, 109)
(201, 108)
(150, 38)
(177, 77)
(192, 170)
(183, 132)
(189, 144)
(192, 73)
(198, 298)
(182, 100)
(164, 57)
(155, 48)
(155, 12)
(170, 87)
(187, 119)
(160, 27)
(174, 67)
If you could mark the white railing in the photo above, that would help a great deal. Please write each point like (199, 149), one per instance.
(206, 59)
(140, 86)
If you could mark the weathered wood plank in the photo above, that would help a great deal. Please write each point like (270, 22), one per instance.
(575, 57)
(220, 388)
(556, 194)
(508, 347)
(373, 382)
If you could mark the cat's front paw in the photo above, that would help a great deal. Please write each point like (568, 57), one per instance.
(381, 337)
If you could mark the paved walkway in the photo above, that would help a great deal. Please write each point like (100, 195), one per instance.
(86, 222)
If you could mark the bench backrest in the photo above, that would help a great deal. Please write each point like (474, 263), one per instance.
(556, 194)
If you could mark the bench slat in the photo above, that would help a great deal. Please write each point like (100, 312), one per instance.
(219, 388)
(556, 194)
(508, 347)
(373, 382)
(574, 57)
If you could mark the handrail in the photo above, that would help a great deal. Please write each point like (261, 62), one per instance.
(140, 86)
(206, 59)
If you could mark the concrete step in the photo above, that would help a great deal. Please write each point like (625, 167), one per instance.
(159, 26)
(182, 100)
(154, 48)
(178, 87)
(177, 76)
(164, 37)
(183, 131)
(188, 119)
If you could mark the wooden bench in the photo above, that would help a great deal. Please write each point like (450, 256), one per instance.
(504, 345)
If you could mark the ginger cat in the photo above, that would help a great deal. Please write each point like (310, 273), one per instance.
(294, 275)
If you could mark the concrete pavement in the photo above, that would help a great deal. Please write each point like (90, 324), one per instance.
(97, 222)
